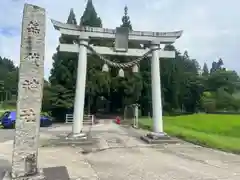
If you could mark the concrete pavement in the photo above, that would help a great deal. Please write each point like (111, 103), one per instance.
(121, 156)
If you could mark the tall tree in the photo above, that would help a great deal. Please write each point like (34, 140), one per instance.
(63, 77)
(125, 90)
(205, 70)
(8, 79)
(98, 82)
(216, 66)
(126, 19)
(72, 17)
(90, 17)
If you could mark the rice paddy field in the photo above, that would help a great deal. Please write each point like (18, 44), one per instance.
(210, 130)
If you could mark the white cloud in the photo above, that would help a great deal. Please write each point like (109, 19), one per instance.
(211, 28)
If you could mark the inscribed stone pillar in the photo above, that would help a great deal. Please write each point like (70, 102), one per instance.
(30, 87)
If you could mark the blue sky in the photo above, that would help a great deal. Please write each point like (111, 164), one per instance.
(211, 28)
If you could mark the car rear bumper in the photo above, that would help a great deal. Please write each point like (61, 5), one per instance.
(7, 124)
(46, 123)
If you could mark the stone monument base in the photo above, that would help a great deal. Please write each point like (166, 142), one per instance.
(158, 138)
(51, 173)
(38, 176)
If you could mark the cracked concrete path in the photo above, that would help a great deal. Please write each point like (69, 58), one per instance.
(126, 158)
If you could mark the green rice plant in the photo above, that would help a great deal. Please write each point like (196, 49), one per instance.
(215, 131)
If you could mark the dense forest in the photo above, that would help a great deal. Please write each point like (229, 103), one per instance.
(186, 87)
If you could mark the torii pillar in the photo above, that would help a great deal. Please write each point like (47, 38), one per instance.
(156, 90)
(78, 113)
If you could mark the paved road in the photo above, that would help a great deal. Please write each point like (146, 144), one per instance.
(8, 134)
(5, 165)
(125, 158)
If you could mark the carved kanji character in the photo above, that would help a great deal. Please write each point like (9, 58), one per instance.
(28, 115)
(33, 28)
(31, 84)
(34, 57)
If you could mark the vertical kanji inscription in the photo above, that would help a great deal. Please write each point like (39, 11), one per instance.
(31, 73)
(31, 84)
(33, 27)
(27, 115)
(33, 57)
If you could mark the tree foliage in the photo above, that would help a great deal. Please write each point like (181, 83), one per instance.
(185, 86)
(8, 81)
(90, 17)
(62, 80)
(126, 19)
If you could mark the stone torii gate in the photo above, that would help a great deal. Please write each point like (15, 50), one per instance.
(120, 37)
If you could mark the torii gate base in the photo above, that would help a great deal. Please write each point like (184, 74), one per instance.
(158, 138)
